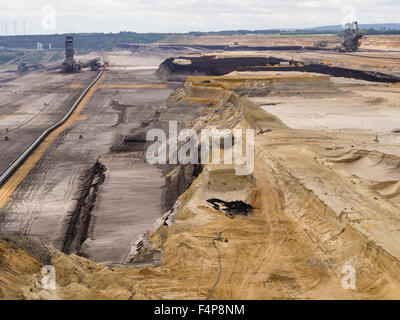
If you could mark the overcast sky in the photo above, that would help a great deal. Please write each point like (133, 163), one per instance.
(44, 17)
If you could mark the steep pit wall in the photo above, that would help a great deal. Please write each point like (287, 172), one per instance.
(220, 108)
(94, 226)
(265, 85)
(81, 219)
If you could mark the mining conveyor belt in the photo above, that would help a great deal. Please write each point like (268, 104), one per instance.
(7, 174)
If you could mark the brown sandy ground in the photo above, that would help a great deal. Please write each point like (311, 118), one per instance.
(312, 217)
(368, 42)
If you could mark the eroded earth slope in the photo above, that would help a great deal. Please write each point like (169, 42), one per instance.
(324, 192)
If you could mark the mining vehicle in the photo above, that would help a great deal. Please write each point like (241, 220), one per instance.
(69, 65)
(24, 67)
(351, 36)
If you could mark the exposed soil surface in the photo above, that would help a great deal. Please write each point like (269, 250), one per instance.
(323, 195)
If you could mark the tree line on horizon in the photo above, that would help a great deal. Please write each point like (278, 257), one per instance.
(108, 41)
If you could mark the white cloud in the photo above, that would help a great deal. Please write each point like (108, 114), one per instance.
(189, 15)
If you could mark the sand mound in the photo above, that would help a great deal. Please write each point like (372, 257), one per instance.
(379, 171)
(369, 165)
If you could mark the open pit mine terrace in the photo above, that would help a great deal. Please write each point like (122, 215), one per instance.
(78, 194)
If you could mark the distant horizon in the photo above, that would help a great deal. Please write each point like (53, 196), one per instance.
(316, 28)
